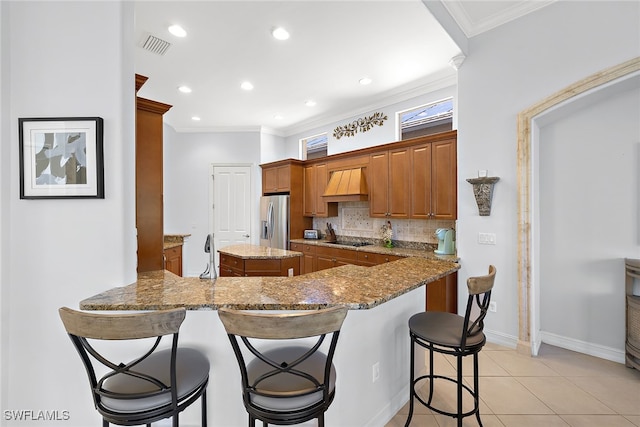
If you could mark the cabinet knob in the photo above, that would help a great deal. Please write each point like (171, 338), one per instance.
(366, 256)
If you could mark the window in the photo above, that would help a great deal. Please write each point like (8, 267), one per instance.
(315, 146)
(426, 119)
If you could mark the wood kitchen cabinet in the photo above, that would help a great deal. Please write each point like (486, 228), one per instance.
(149, 181)
(308, 261)
(233, 266)
(334, 257)
(434, 180)
(292, 185)
(316, 177)
(389, 184)
(442, 295)
(276, 179)
(173, 260)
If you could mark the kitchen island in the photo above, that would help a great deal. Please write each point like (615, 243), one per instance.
(381, 300)
(251, 260)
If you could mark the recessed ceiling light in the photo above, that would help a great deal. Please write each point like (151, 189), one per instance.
(184, 89)
(195, 118)
(277, 117)
(310, 103)
(280, 33)
(365, 81)
(177, 31)
(246, 86)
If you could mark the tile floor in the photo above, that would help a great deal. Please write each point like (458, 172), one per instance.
(557, 388)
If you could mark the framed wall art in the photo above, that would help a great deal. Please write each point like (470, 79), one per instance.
(61, 158)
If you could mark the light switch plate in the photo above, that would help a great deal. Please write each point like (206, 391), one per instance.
(487, 238)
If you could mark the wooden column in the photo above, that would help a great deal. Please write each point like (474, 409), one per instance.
(149, 175)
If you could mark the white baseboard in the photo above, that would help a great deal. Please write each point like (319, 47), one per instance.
(500, 338)
(596, 350)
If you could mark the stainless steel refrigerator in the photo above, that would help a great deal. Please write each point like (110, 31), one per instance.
(274, 221)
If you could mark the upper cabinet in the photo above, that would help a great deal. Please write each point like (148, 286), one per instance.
(434, 180)
(411, 179)
(389, 185)
(287, 177)
(276, 179)
(316, 177)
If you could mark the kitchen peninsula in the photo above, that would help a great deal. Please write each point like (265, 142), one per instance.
(381, 300)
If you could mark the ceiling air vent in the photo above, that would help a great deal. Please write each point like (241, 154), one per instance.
(155, 45)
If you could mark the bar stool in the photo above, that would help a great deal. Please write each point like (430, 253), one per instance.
(155, 383)
(451, 334)
(290, 383)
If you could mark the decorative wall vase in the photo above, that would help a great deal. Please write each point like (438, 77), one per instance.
(483, 191)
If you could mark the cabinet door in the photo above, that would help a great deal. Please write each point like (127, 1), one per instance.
(173, 260)
(310, 186)
(322, 176)
(308, 260)
(316, 178)
(323, 262)
(421, 181)
(399, 184)
(269, 180)
(276, 179)
(444, 189)
(378, 180)
(284, 178)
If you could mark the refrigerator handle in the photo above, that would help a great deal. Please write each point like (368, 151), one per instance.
(270, 220)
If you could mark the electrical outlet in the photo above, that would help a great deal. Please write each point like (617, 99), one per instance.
(375, 369)
(487, 238)
(493, 306)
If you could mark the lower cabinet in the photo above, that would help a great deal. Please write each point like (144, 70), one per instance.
(442, 295)
(308, 261)
(173, 260)
(334, 257)
(233, 266)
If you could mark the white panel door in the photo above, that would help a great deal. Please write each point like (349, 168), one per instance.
(231, 206)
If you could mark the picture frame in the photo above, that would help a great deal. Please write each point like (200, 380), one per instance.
(61, 158)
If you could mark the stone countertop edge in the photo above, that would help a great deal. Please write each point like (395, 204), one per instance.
(247, 251)
(376, 249)
(352, 286)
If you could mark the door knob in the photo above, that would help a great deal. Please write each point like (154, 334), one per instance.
(245, 235)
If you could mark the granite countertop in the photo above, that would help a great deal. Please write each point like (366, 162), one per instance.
(377, 249)
(352, 286)
(173, 240)
(258, 252)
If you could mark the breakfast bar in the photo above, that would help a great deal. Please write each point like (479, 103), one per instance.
(380, 298)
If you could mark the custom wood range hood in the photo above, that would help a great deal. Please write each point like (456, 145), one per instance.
(348, 185)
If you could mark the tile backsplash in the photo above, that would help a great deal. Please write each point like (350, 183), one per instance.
(353, 221)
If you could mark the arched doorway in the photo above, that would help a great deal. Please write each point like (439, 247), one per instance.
(528, 286)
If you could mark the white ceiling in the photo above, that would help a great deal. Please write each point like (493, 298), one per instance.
(397, 43)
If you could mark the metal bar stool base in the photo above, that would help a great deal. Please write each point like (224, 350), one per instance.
(469, 391)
